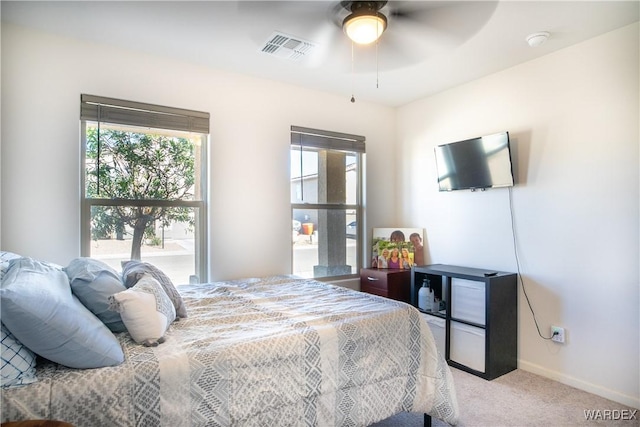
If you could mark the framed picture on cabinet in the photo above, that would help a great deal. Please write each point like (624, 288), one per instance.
(397, 248)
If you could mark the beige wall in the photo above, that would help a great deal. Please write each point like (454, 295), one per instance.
(573, 118)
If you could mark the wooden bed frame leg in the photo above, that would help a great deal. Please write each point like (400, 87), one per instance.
(427, 420)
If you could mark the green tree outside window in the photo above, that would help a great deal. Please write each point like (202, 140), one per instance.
(128, 165)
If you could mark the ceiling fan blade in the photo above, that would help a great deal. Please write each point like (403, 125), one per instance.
(329, 45)
(396, 50)
(457, 20)
(419, 30)
(337, 12)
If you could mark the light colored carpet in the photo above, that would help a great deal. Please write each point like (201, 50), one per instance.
(521, 399)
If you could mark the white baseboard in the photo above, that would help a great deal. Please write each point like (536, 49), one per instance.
(624, 399)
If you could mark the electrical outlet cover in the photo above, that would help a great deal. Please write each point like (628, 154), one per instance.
(557, 334)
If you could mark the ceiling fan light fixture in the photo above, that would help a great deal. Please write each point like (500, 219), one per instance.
(365, 28)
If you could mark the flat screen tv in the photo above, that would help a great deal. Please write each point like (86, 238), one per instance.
(475, 164)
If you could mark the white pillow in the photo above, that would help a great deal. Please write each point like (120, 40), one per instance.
(146, 310)
(133, 270)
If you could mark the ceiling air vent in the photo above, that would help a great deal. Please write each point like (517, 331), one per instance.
(287, 47)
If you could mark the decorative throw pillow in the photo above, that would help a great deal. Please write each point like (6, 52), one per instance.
(40, 311)
(132, 271)
(18, 362)
(146, 310)
(93, 282)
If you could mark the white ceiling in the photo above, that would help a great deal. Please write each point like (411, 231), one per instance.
(446, 44)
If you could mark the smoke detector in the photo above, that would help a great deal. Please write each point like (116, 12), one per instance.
(287, 47)
(536, 39)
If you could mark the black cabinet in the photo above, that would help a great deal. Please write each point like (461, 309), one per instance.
(481, 316)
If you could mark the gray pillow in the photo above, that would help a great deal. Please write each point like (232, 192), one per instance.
(40, 311)
(132, 271)
(93, 282)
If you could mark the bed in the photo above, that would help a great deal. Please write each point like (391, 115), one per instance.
(273, 351)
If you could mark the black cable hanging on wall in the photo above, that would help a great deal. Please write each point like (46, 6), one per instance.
(515, 252)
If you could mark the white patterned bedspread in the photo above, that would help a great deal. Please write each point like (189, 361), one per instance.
(277, 351)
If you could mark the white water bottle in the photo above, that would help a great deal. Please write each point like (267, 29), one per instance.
(424, 303)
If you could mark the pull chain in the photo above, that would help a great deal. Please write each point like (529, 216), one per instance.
(377, 43)
(353, 99)
(377, 68)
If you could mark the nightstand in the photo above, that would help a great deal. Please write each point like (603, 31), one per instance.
(389, 283)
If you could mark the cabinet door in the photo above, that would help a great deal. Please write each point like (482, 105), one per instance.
(467, 345)
(468, 300)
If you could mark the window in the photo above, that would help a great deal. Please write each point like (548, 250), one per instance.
(143, 186)
(326, 203)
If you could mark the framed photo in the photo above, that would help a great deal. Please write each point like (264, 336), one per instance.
(397, 248)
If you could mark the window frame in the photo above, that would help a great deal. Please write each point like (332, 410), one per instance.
(335, 141)
(142, 114)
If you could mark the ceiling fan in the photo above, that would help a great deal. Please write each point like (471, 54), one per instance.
(408, 32)
(405, 32)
